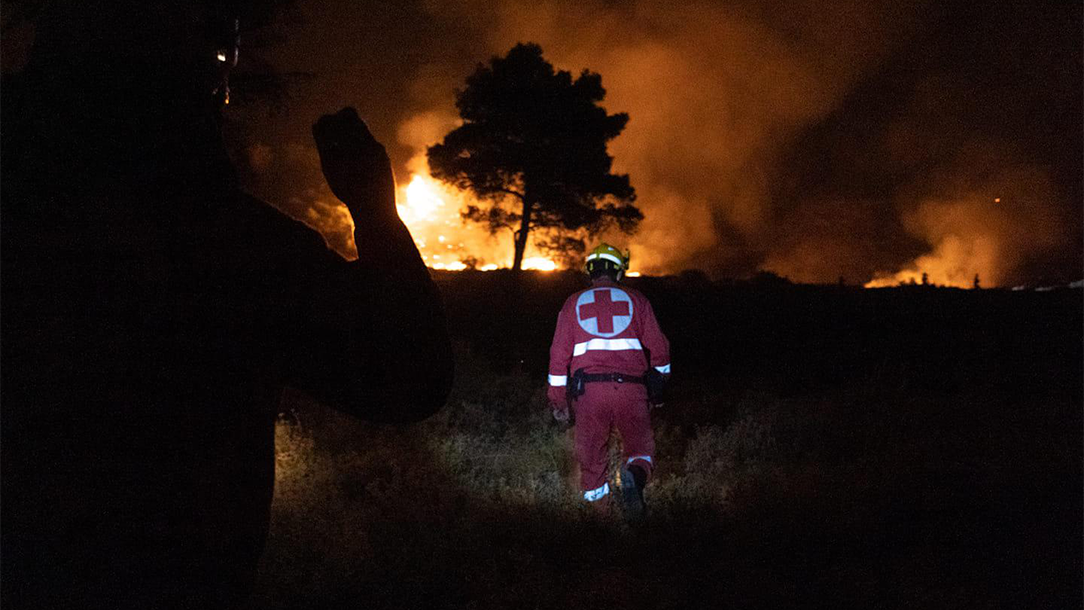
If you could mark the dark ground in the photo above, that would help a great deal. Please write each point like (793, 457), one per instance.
(822, 447)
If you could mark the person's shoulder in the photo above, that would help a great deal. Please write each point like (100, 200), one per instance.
(639, 299)
(632, 292)
(573, 298)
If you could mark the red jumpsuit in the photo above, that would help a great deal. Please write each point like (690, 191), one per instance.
(608, 328)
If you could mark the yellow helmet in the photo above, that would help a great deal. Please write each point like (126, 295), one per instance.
(605, 253)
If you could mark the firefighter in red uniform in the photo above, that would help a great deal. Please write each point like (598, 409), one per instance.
(608, 356)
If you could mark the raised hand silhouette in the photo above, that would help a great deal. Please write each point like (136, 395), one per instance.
(153, 313)
(355, 166)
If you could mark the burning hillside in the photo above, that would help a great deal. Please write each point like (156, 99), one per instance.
(431, 211)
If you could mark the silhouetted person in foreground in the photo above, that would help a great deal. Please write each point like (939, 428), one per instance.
(152, 314)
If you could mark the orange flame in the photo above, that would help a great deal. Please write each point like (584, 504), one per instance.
(431, 210)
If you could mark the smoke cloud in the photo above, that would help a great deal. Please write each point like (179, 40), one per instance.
(814, 139)
(713, 93)
(1000, 225)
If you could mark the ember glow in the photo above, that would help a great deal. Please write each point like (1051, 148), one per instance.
(539, 263)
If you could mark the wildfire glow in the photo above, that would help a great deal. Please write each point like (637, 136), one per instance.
(422, 202)
(432, 213)
(539, 263)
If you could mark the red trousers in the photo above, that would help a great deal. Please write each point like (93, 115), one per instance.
(604, 405)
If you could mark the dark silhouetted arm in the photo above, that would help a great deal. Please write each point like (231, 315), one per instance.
(375, 338)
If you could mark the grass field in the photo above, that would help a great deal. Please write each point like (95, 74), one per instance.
(887, 485)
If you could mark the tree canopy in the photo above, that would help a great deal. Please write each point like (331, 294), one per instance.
(532, 149)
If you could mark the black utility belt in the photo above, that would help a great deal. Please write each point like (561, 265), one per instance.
(577, 383)
(618, 377)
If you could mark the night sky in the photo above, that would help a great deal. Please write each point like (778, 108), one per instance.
(863, 140)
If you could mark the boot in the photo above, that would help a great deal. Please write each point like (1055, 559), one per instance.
(633, 480)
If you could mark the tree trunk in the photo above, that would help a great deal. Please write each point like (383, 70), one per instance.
(521, 236)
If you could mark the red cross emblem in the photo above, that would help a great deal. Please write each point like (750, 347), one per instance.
(604, 311)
